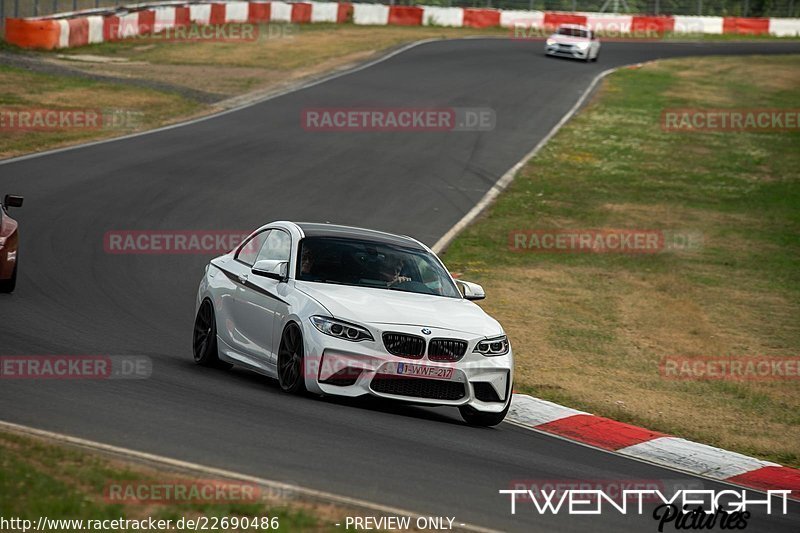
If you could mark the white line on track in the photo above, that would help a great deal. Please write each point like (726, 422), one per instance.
(506, 179)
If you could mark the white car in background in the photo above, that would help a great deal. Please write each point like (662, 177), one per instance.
(351, 312)
(575, 41)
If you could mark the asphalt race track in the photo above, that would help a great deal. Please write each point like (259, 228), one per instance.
(248, 167)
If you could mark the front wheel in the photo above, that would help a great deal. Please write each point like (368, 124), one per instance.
(290, 360)
(476, 418)
(204, 341)
(8, 285)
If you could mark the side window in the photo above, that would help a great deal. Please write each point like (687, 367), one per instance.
(249, 251)
(277, 246)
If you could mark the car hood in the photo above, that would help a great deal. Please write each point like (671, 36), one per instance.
(382, 307)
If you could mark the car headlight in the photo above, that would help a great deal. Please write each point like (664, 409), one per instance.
(493, 347)
(550, 42)
(343, 330)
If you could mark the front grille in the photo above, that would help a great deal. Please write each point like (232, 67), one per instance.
(404, 345)
(446, 349)
(485, 392)
(434, 389)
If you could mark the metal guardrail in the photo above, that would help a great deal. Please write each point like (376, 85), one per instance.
(735, 8)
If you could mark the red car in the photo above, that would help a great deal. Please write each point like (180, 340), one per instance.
(9, 242)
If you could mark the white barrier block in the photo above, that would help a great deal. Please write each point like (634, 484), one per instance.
(522, 19)
(95, 29)
(63, 33)
(686, 24)
(200, 14)
(442, 16)
(236, 11)
(164, 19)
(128, 25)
(324, 11)
(371, 14)
(610, 24)
(784, 27)
(280, 12)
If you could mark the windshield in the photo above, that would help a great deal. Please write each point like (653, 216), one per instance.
(573, 32)
(370, 264)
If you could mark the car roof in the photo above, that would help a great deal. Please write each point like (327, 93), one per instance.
(314, 229)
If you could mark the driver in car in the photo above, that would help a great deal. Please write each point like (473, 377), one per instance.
(390, 271)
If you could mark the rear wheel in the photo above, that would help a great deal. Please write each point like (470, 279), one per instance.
(290, 360)
(204, 341)
(476, 418)
(8, 285)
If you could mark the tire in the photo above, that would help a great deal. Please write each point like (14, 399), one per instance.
(8, 285)
(476, 418)
(290, 360)
(204, 340)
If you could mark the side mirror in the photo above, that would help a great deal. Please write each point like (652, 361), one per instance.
(12, 201)
(272, 268)
(471, 291)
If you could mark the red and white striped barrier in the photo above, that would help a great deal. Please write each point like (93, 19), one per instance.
(653, 447)
(78, 29)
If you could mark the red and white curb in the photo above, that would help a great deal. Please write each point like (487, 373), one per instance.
(652, 446)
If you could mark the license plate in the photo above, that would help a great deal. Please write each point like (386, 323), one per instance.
(422, 371)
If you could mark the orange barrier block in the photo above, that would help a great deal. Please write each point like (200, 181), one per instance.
(648, 25)
(217, 15)
(554, 20)
(27, 33)
(301, 13)
(481, 18)
(345, 13)
(745, 26)
(182, 16)
(78, 31)
(258, 12)
(406, 16)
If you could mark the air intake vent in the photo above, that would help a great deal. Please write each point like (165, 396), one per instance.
(485, 392)
(434, 389)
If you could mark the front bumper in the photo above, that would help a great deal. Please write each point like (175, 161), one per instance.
(343, 368)
(567, 51)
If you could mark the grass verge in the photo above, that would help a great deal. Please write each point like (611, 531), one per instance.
(61, 483)
(589, 330)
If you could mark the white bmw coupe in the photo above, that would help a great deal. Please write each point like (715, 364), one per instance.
(349, 312)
